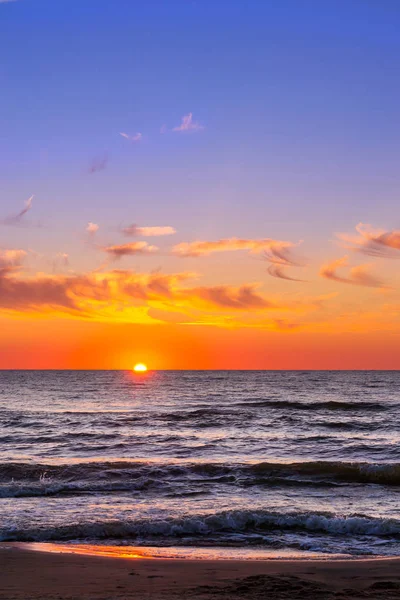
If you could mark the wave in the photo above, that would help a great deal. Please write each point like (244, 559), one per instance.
(46, 487)
(349, 426)
(211, 416)
(345, 472)
(325, 405)
(212, 527)
(28, 479)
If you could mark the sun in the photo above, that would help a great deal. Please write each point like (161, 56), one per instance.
(140, 368)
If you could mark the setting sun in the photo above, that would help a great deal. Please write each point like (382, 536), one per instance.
(140, 368)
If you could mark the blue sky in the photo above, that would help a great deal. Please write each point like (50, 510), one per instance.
(299, 101)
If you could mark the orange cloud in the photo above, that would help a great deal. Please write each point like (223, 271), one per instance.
(10, 261)
(275, 251)
(374, 242)
(358, 275)
(280, 272)
(243, 297)
(131, 249)
(11, 258)
(128, 297)
(30, 294)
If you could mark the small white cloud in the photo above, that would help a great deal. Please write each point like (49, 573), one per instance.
(92, 228)
(188, 124)
(133, 230)
(155, 231)
(136, 137)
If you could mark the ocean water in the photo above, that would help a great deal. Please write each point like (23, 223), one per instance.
(300, 461)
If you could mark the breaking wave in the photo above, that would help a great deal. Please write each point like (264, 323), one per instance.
(27, 479)
(212, 527)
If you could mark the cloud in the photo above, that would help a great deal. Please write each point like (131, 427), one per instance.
(98, 164)
(136, 137)
(374, 242)
(16, 219)
(131, 249)
(280, 272)
(243, 297)
(27, 293)
(188, 124)
(135, 230)
(275, 251)
(127, 296)
(17, 294)
(92, 228)
(358, 275)
(10, 260)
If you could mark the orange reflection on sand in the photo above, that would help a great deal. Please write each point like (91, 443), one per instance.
(181, 553)
(110, 551)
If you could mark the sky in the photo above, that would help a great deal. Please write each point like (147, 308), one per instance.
(199, 184)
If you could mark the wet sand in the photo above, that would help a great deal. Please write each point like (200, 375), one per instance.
(26, 574)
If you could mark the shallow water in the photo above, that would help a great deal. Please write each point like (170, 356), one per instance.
(257, 460)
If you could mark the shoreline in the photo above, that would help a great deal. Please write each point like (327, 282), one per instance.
(213, 553)
(29, 574)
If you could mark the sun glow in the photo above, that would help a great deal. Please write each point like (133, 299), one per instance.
(140, 368)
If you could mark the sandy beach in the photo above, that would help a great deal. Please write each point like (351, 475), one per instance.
(27, 574)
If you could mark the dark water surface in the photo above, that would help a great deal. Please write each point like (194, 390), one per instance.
(295, 460)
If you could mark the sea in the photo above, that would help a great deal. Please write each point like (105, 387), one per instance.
(236, 463)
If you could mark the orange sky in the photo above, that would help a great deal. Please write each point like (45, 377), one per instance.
(300, 313)
(81, 345)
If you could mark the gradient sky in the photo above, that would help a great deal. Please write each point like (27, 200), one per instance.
(249, 215)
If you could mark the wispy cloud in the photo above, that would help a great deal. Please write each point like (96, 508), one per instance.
(359, 275)
(279, 271)
(92, 228)
(244, 297)
(136, 137)
(135, 230)
(16, 219)
(275, 251)
(98, 164)
(373, 242)
(188, 124)
(132, 249)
